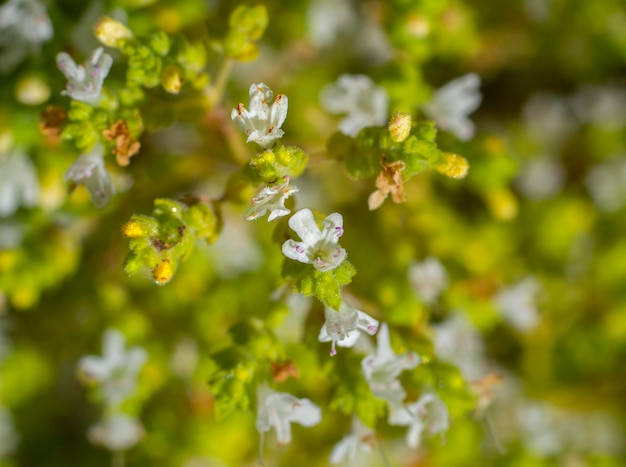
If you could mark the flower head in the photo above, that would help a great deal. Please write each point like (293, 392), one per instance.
(319, 248)
(428, 414)
(18, 183)
(261, 123)
(89, 170)
(428, 278)
(342, 327)
(365, 103)
(278, 410)
(84, 83)
(453, 102)
(517, 304)
(116, 371)
(383, 368)
(116, 432)
(361, 439)
(24, 25)
(272, 199)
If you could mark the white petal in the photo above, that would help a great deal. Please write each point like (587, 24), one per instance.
(93, 368)
(278, 212)
(296, 251)
(323, 336)
(344, 450)
(367, 323)
(351, 338)
(414, 434)
(399, 415)
(306, 413)
(303, 223)
(278, 112)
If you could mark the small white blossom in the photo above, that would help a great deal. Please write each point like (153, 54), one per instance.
(342, 327)
(272, 199)
(549, 118)
(361, 440)
(453, 102)
(517, 304)
(89, 170)
(278, 410)
(541, 178)
(261, 123)
(383, 368)
(116, 371)
(603, 106)
(319, 248)
(428, 414)
(116, 432)
(428, 278)
(459, 342)
(18, 183)
(606, 183)
(84, 83)
(365, 103)
(24, 26)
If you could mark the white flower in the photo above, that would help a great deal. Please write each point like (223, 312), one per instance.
(517, 304)
(272, 199)
(319, 248)
(84, 83)
(342, 327)
(261, 123)
(278, 410)
(18, 184)
(606, 183)
(428, 414)
(453, 102)
(383, 368)
(429, 278)
(116, 371)
(24, 25)
(459, 342)
(362, 439)
(89, 170)
(540, 178)
(116, 432)
(365, 103)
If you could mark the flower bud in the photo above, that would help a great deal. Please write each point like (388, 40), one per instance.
(399, 126)
(454, 167)
(133, 230)
(172, 79)
(163, 272)
(111, 32)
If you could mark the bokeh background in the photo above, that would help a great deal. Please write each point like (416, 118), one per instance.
(524, 340)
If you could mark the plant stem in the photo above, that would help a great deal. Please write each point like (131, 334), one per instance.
(118, 459)
(215, 92)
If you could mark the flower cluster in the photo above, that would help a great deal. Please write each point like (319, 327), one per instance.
(262, 123)
(24, 26)
(317, 247)
(342, 327)
(278, 410)
(365, 103)
(453, 102)
(89, 170)
(84, 83)
(115, 374)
